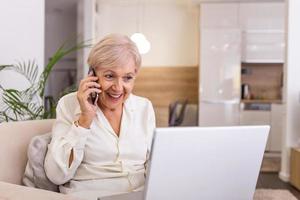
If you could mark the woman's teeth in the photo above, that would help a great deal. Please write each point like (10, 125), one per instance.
(115, 95)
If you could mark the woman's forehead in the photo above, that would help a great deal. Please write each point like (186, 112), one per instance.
(127, 66)
(118, 69)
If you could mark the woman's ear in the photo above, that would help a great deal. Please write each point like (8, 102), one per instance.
(136, 70)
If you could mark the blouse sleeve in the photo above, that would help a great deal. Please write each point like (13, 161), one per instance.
(150, 126)
(150, 131)
(65, 137)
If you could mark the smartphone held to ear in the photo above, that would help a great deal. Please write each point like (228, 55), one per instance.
(93, 95)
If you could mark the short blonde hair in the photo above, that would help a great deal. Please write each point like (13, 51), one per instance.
(114, 50)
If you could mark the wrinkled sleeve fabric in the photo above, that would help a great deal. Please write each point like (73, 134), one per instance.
(65, 137)
(151, 125)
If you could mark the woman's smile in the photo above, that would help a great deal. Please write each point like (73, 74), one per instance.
(115, 97)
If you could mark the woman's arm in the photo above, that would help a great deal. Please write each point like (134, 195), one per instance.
(151, 124)
(65, 152)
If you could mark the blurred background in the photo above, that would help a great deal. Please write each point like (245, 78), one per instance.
(205, 62)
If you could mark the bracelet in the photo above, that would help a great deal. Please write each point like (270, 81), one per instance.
(76, 123)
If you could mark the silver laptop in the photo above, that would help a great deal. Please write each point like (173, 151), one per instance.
(211, 163)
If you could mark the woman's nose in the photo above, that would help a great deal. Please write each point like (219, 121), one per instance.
(118, 84)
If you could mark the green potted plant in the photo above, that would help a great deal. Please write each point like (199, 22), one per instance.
(28, 104)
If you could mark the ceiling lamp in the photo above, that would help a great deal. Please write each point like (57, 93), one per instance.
(141, 42)
(139, 38)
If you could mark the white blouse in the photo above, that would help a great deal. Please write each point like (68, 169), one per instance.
(104, 164)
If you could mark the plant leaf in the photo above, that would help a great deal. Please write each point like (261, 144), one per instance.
(2, 67)
(26, 104)
(12, 98)
(60, 53)
(29, 70)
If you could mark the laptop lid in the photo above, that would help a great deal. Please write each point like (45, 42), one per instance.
(205, 163)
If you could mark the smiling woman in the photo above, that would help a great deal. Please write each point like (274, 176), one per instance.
(100, 149)
(116, 84)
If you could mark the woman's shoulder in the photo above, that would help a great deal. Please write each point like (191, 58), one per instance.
(143, 109)
(69, 101)
(69, 98)
(139, 103)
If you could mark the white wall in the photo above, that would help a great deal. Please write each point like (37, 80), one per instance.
(86, 31)
(291, 136)
(172, 28)
(60, 26)
(21, 37)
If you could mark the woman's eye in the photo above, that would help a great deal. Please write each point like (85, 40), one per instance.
(128, 78)
(108, 76)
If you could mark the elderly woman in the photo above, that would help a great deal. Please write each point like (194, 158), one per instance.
(101, 148)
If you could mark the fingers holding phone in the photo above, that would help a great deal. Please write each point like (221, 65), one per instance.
(87, 96)
(87, 87)
(93, 95)
(92, 89)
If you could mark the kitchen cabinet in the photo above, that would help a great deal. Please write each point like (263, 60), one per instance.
(261, 26)
(258, 30)
(263, 46)
(219, 79)
(262, 16)
(219, 16)
(263, 37)
(273, 117)
(256, 117)
(276, 127)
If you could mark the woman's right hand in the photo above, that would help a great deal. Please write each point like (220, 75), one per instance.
(87, 86)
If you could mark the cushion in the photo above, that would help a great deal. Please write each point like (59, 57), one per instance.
(35, 175)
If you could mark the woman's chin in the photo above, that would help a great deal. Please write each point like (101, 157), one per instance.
(113, 103)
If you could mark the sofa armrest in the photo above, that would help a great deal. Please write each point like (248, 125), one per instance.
(18, 192)
(15, 137)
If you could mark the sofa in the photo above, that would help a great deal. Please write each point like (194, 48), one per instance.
(15, 137)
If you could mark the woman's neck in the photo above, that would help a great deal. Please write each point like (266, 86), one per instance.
(110, 111)
(113, 116)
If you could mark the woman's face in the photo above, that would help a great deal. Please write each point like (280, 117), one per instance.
(116, 84)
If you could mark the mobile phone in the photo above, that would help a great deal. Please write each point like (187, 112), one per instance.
(93, 95)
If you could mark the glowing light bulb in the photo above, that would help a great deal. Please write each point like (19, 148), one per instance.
(141, 42)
